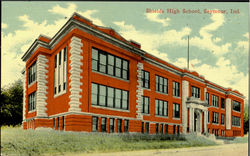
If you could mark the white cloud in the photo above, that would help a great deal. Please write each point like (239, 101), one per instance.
(15, 44)
(217, 39)
(206, 40)
(155, 18)
(4, 25)
(246, 35)
(243, 46)
(151, 41)
(182, 63)
(67, 12)
(223, 73)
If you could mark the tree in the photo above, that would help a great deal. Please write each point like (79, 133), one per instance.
(246, 119)
(11, 104)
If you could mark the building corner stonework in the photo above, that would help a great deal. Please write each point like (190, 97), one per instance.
(139, 91)
(42, 85)
(228, 113)
(75, 74)
(24, 95)
(185, 93)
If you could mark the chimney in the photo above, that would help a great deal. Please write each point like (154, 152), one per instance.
(136, 44)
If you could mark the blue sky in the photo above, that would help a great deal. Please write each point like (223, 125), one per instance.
(218, 42)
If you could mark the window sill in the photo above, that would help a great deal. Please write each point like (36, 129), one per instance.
(148, 89)
(236, 126)
(109, 108)
(174, 118)
(32, 111)
(145, 114)
(93, 71)
(215, 124)
(29, 85)
(236, 111)
(59, 94)
(161, 93)
(159, 116)
(177, 97)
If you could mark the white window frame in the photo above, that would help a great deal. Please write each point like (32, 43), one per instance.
(60, 73)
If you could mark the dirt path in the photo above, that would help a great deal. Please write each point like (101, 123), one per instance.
(220, 150)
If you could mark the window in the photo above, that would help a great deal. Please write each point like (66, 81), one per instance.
(102, 95)
(63, 125)
(235, 121)
(147, 127)
(54, 123)
(178, 129)
(32, 101)
(222, 100)
(195, 92)
(109, 64)
(94, 94)
(95, 124)
(58, 123)
(126, 125)
(161, 84)
(207, 98)
(176, 110)
(208, 116)
(60, 72)
(142, 127)
(145, 79)
(32, 73)
(236, 106)
(145, 104)
(111, 125)
(215, 101)
(119, 125)
(174, 129)
(176, 89)
(156, 128)
(102, 63)
(166, 129)
(104, 125)
(215, 117)
(161, 128)
(161, 107)
(222, 119)
(109, 97)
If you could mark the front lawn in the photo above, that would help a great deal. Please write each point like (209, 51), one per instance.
(17, 141)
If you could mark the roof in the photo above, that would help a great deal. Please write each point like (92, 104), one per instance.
(110, 35)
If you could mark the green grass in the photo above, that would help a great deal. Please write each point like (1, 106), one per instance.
(17, 141)
(241, 139)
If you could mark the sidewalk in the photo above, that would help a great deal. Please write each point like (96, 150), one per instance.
(219, 150)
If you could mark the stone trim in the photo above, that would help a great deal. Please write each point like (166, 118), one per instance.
(228, 113)
(185, 93)
(24, 94)
(205, 120)
(139, 91)
(109, 108)
(42, 87)
(75, 74)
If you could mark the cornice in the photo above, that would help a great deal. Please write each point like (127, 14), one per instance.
(71, 24)
(163, 66)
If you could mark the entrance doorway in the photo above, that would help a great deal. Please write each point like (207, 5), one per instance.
(197, 123)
